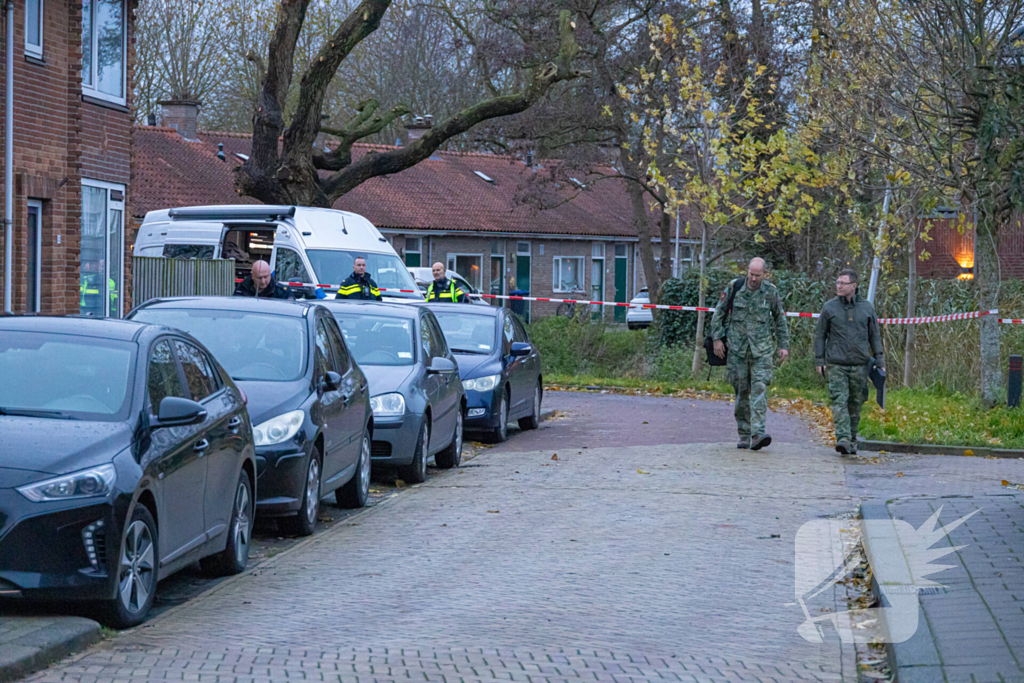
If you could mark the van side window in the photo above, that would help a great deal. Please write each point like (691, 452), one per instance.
(289, 267)
(245, 246)
(203, 251)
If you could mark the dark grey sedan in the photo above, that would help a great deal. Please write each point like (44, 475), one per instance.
(419, 406)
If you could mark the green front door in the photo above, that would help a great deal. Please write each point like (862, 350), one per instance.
(620, 289)
(523, 285)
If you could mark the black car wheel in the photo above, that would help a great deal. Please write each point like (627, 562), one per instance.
(500, 433)
(136, 571)
(451, 456)
(416, 471)
(355, 493)
(235, 556)
(532, 421)
(304, 523)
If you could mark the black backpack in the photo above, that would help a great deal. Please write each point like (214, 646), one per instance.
(709, 342)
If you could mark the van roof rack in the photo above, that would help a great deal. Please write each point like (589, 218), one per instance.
(255, 212)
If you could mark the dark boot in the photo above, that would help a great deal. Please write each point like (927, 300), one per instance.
(757, 442)
(743, 443)
(843, 447)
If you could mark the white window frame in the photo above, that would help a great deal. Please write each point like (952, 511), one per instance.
(93, 90)
(30, 49)
(112, 206)
(556, 279)
(36, 306)
(418, 250)
(452, 261)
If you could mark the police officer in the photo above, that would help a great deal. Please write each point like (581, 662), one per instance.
(755, 315)
(359, 286)
(444, 290)
(262, 285)
(845, 340)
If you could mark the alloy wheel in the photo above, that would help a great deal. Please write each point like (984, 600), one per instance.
(137, 571)
(313, 490)
(243, 525)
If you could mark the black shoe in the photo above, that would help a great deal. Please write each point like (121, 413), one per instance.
(759, 442)
(843, 447)
(743, 443)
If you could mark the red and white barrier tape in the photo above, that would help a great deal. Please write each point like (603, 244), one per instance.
(664, 307)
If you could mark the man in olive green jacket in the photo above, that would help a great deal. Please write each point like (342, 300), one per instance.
(845, 340)
(754, 326)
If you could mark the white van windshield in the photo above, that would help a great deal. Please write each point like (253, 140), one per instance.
(387, 270)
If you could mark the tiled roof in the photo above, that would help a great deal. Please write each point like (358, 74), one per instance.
(444, 192)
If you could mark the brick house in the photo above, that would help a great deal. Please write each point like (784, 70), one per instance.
(951, 250)
(489, 217)
(72, 151)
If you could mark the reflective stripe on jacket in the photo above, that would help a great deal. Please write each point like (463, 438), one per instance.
(446, 293)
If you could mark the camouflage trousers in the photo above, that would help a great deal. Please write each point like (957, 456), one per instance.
(848, 389)
(750, 377)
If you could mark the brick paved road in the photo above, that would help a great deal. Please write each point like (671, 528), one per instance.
(621, 563)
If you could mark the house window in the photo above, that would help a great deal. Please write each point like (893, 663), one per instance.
(34, 28)
(413, 252)
(103, 49)
(568, 274)
(102, 249)
(469, 267)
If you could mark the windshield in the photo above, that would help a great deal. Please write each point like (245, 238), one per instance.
(468, 333)
(258, 347)
(387, 270)
(64, 376)
(377, 339)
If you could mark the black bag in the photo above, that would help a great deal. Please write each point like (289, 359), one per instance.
(709, 342)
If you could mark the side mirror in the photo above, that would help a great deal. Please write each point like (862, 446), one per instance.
(176, 412)
(331, 381)
(521, 349)
(440, 366)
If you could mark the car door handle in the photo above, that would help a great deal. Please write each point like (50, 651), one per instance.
(202, 446)
(235, 423)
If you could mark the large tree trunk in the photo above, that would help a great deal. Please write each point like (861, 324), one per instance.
(698, 343)
(986, 268)
(909, 353)
(642, 224)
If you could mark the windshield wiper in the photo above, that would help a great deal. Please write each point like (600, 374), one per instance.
(482, 353)
(30, 412)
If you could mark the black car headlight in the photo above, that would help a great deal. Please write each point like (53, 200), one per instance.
(94, 482)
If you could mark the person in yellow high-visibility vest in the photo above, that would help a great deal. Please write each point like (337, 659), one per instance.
(90, 287)
(444, 290)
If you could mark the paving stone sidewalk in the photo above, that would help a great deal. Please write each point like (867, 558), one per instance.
(972, 629)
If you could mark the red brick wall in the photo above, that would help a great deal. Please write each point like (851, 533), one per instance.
(948, 248)
(58, 140)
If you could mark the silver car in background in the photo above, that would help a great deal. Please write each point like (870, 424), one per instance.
(418, 403)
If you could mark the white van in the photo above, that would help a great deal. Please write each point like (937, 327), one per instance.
(302, 244)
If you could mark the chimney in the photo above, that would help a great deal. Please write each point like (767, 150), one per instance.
(151, 119)
(418, 128)
(182, 116)
(529, 158)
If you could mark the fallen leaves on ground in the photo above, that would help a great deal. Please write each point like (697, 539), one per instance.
(1012, 485)
(555, 456)
(494, 512)
(400, 483)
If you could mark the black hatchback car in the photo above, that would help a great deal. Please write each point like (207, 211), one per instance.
(308, 398)
(500, 368)
(126, 454)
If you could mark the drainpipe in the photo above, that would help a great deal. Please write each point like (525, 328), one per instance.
(677, 267)
(9, 162)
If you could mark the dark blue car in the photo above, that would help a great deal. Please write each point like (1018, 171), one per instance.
(500, 368)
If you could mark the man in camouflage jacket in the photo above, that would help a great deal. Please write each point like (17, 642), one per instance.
(754, 328)
(845, 340)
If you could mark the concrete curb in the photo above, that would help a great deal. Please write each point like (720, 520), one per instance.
(42, 644)
(917, 658)
(935, 449)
